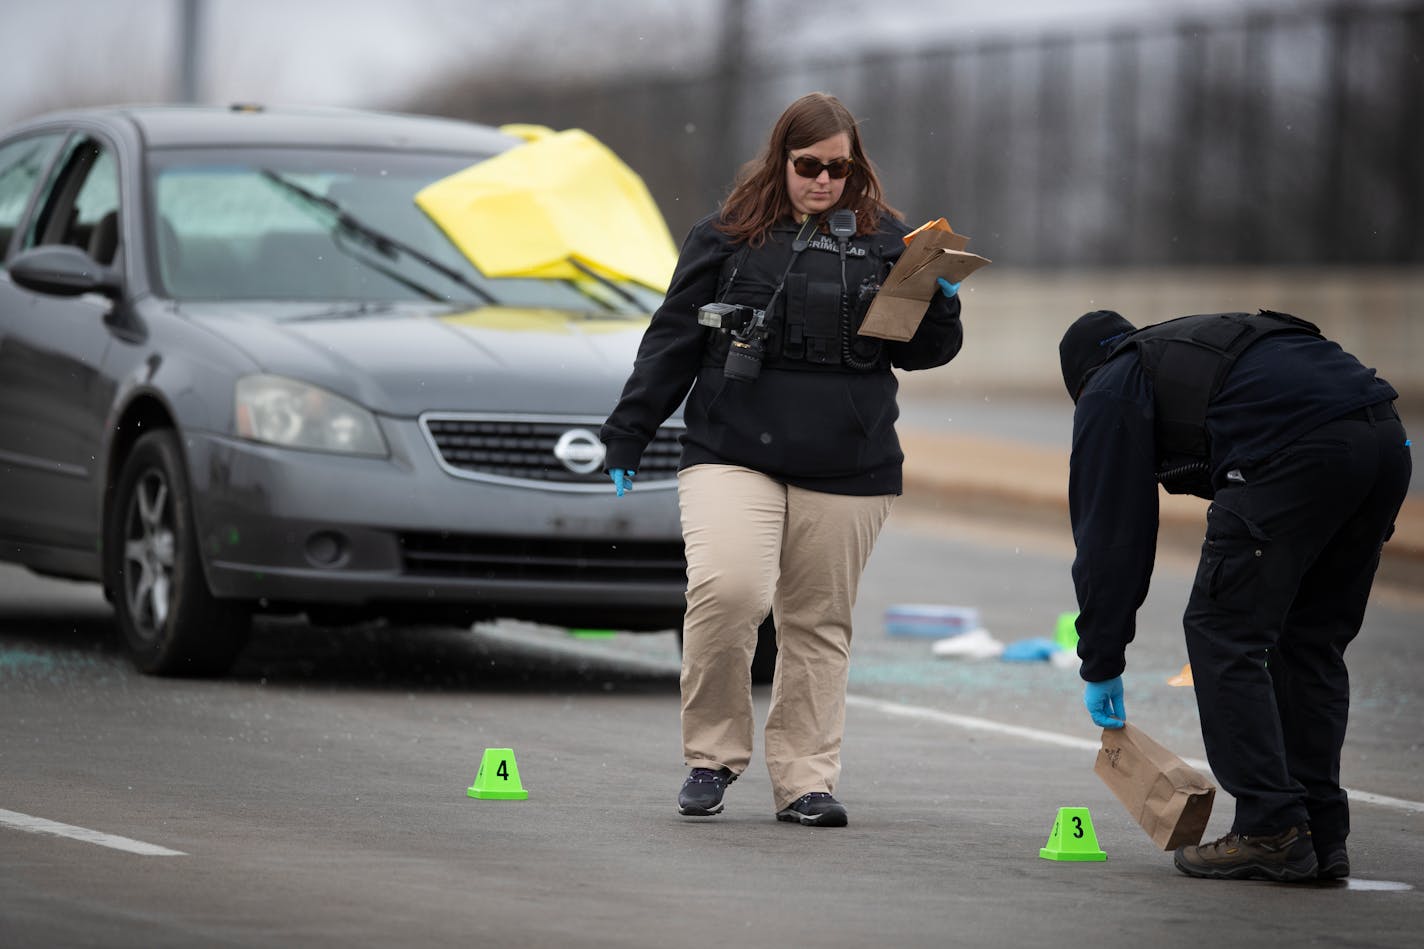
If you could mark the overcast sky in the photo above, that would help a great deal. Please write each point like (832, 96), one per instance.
(380, 52)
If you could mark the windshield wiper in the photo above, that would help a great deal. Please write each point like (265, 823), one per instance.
(380, 240)
(589, 271)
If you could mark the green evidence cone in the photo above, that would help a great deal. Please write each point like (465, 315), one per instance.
(1073, 838)
(1065, 634)
(498, 778)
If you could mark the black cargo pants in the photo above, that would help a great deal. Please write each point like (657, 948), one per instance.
(1280, 591)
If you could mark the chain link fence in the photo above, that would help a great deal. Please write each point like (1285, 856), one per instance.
(1262, 138)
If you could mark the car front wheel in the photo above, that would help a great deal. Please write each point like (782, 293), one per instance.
(171, 623)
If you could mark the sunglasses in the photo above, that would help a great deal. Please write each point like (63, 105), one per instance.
(808, 167)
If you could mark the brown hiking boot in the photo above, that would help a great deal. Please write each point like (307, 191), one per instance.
(1285, 857)
(1334, 861)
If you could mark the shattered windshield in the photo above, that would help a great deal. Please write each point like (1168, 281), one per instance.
(316, 224)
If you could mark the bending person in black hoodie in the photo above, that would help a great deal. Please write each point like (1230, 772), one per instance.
(790, 462)
(1302, 454)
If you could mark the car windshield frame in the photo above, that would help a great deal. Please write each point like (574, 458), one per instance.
(226, 225)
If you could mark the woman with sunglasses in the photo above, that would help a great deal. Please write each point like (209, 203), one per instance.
(790, 462)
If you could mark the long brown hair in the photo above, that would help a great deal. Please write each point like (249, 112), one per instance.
(759, 198)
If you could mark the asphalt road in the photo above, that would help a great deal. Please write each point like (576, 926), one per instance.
(317, 797)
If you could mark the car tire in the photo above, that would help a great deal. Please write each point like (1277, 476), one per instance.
(171, 623)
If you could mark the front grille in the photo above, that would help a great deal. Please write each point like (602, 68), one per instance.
(526, 450)
(519, 558)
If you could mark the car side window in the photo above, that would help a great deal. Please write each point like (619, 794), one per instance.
(82, 206)
(21, 165)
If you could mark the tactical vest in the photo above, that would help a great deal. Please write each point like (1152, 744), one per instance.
(812, 322)
(1187, 359)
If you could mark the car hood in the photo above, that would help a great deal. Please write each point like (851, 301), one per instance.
(410, 359)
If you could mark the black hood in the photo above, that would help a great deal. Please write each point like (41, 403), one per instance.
(1087, 344)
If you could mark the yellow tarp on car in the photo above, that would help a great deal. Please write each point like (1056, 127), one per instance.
(558, 198)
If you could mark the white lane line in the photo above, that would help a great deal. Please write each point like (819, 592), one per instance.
(38, 825)
(1365, 797)
(971, 723)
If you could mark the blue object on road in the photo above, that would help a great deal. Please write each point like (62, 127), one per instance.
(930, 620)
(1036, 649)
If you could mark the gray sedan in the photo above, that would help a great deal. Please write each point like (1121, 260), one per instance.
(241, 371)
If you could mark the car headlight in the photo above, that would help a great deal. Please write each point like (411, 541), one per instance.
(293, 414)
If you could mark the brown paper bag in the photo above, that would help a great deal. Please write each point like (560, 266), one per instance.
(933, 252)
(1169, 798)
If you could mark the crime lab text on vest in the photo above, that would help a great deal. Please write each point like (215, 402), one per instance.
(812, 321)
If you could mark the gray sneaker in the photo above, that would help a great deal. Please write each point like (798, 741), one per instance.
(1285, 857)
(701, 794)
(817, 809)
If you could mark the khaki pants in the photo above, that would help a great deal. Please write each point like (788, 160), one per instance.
(755, 545)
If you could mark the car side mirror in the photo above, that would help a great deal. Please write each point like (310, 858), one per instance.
(62, 270)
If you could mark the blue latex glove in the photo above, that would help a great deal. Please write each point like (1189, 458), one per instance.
(1104, 702)
(622, 479)
(947, 288)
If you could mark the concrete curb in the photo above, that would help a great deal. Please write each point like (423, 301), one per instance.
(989, 477)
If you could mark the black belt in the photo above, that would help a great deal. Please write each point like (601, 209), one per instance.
(1373, 413)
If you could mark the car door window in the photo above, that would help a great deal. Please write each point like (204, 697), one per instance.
(21, 164)
(82, 207)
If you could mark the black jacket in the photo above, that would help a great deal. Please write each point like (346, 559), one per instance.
(1280, 388)
(808, 419)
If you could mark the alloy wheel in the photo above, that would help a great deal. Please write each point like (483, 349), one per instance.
(149, 548)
